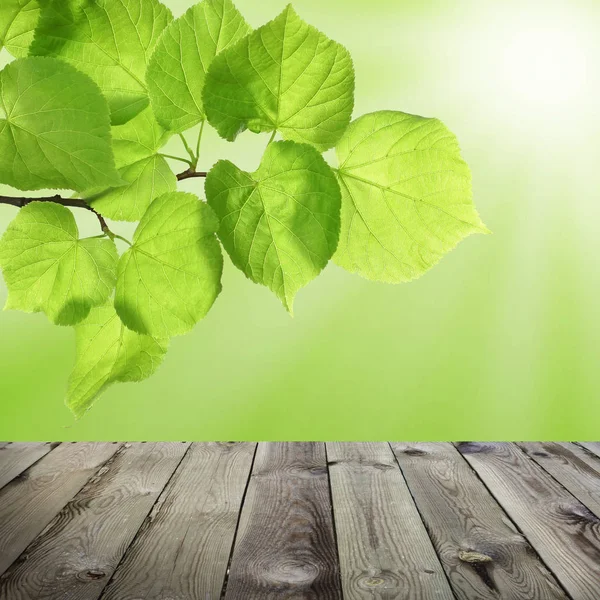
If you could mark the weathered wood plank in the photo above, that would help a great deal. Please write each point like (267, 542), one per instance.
(16, 458)
(77, 554)
(384, 548)
(572, 467)
(285, 544)
(562, 530)
(482, 552)
(29, 502)
(183, 549)
(593, 447)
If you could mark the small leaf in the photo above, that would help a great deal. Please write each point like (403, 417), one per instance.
(48, 269)
(178, 67)
(280, 225)
(18, 19)
(406, 196)
(110, 40)
(56, 130)
(147, 174)
(169, 279)
(108, 352)
(286, 76)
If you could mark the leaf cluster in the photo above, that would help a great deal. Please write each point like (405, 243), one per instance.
(99, 87)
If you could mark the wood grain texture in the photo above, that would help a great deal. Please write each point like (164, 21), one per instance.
(32, 500)
(285, 545)
(16, 457)
(384, 549)
(484, 555)
(183, 549)
(572, 466)
(77, 554)
(592, 447)
(562, 530)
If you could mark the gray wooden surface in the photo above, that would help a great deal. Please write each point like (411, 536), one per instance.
(300, 521)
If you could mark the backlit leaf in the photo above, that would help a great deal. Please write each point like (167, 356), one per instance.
(48, 269)
(285, 76)
(146, 172)
(55, 133)
(178, 67)
(110, 40)
(18, 19)
(170, 277)
(406, 196)
(280, 225)
(108, 352)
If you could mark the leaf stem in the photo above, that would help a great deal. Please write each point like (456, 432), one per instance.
(198, 142)
(193, 157)
(183, 160)
(272, 137)
(120, 237)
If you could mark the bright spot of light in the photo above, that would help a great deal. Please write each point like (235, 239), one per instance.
(545, 66)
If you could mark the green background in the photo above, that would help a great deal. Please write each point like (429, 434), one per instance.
(501, 340)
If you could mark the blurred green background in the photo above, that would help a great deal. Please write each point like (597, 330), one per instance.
(501, 340)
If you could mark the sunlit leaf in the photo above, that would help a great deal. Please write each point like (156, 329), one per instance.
(47, 268)
(280, 225)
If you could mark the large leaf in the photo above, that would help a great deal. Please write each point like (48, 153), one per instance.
(48, 269)
(108, 352)
(286, 76)
(18, 19)
(146, 172)
(56, 130)
(178, 67)
(406, 196)
(280, 225)
(110, 40)
(170, 277)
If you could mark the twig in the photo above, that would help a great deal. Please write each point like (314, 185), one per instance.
(20, 202)
(191, 173)
(72, 202)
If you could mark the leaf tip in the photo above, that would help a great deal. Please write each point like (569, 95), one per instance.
(75, 408)
(288, 304)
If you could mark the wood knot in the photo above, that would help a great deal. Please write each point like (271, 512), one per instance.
(414, 451)
(292, 572)
(474, 447)
(318, 470)
(384, 467)
(471, 557)
(378, 580)
(91, 575)
(577, 513)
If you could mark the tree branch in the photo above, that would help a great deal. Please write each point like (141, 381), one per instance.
(72, 202)
(20, 202)
(190, 173)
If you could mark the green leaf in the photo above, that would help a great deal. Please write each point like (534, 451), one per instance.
(147, 174)
(110, 40)
(48, 269)
(108, 352)
(406, 196)
(280, 225)
(178, 67)
(18, 19)
(56, 130)
(286, 76)
(169, 279)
